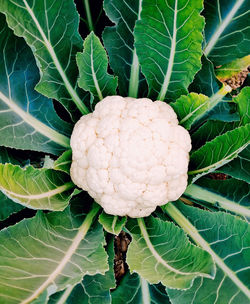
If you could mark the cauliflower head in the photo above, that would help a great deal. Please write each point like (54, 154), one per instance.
(130, 155)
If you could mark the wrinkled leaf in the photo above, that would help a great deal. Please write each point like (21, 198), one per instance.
(93, 64)
(227, 239)
(112, 224)
(47, 253)
(227, 32)
(119, 41)
(134, 289)
(36, 188)
(160, 252)
(27, 119)
(51, 30)
(243, 102)
(168, 44)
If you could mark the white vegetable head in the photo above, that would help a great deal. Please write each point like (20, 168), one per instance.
(130, 155)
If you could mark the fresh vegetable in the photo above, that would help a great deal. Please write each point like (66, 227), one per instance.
(130, 155)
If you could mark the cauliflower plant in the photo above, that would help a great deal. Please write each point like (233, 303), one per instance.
(130, 155)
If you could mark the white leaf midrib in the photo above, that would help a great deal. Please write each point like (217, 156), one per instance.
(35, 123)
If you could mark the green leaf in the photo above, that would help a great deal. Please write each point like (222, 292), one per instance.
(63, 163)
(168, 44)
(134, 289)
(93, 64)
(48, 253)
(51, 30)
(194, 108)
(161, 252)
(239, 167)
(226, 32)
(233, 68)
(92, 289)
(209, 130)
(119, 41)
(205, 81)
(232, 195)
(27, 119)
(219, 151)
(112, 224)
(36, 188)
(7, 207)
(227, 239)
(243, 102)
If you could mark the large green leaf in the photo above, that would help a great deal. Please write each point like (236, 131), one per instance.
(136, 290)
(27, 119)
(168, 43)
(239, 167)
(93, 64)
(232, 195)
(51, 30)
(119, 41)
(112, 224)
(161, 252)
(93, 289)
(227, 239)
(227, 32)
(219, 151)
(48, 253)
(7, 207)
(36, 188)
(243, 102)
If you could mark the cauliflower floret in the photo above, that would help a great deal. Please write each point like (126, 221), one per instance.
(130, 155)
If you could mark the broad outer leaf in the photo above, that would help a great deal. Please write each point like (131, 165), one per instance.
(227, 238)
(51, 30)
(92, 289)
(36, 188)
(243, 102)
(112, 224)
(119, 41)
(93, 64)
(233, 68)
(134, 289)
(168, 43)
(161, 252)
(230, 195)
(239, 167)
(205, 81)
(227, 30)
(219, 151)
(48, 253)
(7, 207)
(27, 119)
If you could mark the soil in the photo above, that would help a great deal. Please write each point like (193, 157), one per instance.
(237, 80)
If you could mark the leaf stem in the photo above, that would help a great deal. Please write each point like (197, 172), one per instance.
(199, 193)
(88, 14)
(183, 222)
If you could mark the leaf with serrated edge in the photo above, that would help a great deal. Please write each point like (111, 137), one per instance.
(227, 239)
(134, 289)
(51, 30)
(119, 42)
(27, 119)
(160, 252)
(168, 44)
(92, 65)
(36, 188)
(51, 252)
(232, 195)
(218, 152)
(227, 32)
(112, 223)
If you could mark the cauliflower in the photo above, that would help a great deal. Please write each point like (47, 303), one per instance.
(130, 155)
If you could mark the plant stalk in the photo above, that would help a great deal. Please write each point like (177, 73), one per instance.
(88, 15)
